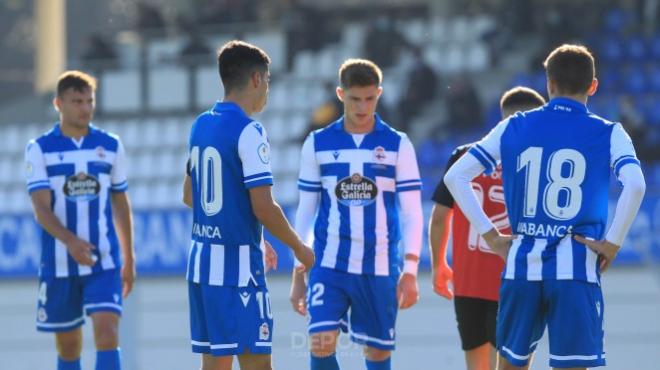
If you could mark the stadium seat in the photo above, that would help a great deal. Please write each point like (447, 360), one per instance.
(274, 43)
(304, 65)
(439, 30)
(477, 57)
(163, 50)
(120, 91)
(209, 88)
(6, 175)
(654, 46)
(415, 31)
(611, 50)
(608, 80)
(636, 48)
(653, 77)
(168, 89)
(634, 80)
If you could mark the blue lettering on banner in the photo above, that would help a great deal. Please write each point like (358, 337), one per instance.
(162, 239)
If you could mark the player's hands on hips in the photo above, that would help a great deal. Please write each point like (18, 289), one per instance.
(297, 293)
(499, 243)
(407, 292)
(128, 274)
(305, 255)
(442, 276)
(270, 256)
(81, 251)
(606, 251)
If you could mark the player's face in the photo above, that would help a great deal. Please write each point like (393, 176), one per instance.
(76, 107)
(262, 85)
(360, 103)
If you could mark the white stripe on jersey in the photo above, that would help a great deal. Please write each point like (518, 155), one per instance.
(356, 156)
(198, 256)
(190, 250)
(104, 244)
(382, 247)
(534, 265)
(564, 259)
(244, 265)
(61, 253)
(217, 269)
(332, 246)
(511, 258)
(357, 227)
(591, 263)
(82, 221)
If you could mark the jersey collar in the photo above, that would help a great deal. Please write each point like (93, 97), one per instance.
(220, 107)
(567, 105)
(378, 125)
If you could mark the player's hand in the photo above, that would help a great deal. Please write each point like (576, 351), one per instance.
(305, 255)
(606, 251)
(499, 243)
(297, 293)
(442, 276)
(270, 256)
(81, 251)
(407, 292)
(128, 274)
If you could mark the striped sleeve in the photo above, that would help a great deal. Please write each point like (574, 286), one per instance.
(407, 171)
(118, 176)
(309, 178)
(254, 151)
(35, 168)
(622, 151)
(487, 150)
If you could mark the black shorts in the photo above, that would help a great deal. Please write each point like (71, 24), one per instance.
(476, 319)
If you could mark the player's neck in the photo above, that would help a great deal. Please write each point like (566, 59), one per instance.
(70, 130)
(242, 100)
(352, 128)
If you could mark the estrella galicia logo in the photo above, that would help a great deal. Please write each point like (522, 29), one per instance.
(356, 191)
(81, 187)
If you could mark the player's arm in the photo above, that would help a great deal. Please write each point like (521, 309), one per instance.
(123, 219)
(187, 191)
(38, 186)
(626, 168)
(408, 188)
(254, 152)
(483, 156)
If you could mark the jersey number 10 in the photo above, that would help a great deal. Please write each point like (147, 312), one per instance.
(209, 179)
(566, 182)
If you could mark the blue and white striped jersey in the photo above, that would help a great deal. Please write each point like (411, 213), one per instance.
(80, 176)
(556, 163)
(229, 154)
(357, 225)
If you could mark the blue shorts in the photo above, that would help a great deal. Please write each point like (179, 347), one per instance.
(572, 310)
(371, 300)
(61, 301)
(227, 320)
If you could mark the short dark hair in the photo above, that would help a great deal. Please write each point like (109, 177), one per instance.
(77, 80)
(571, 68)
(237, 61)
(521, 98)
(359, 72)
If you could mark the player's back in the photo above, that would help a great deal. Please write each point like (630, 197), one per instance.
(556, 162)
(226, 248)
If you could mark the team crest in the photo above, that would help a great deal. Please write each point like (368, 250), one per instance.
(100, 152)
(392, 333)
(41, 315)
(264, 153)
(264, 332)
(379, 154)
(29, 169)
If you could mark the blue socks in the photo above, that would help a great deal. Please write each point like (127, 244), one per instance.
(108, 360)
(68, 365)
(379, 365)
(324, 363)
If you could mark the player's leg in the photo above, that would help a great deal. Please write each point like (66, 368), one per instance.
(210, 362)
(327, 304)
(59, 310)
(373, 317)
(255, 362)
(477, 337)
(575, 324)
(521, 321)
(102, 302)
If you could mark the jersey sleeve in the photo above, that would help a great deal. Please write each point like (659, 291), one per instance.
(622, 151)
(35, 168)
(309, 178)
(254, 152)
(407, 171)
(118, 182)
(487, 150)
(441, 195)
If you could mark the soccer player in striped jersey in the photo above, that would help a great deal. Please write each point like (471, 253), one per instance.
(556, 163)
(76, 177)
(476, 269)
(228, 187)
(358, 182)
